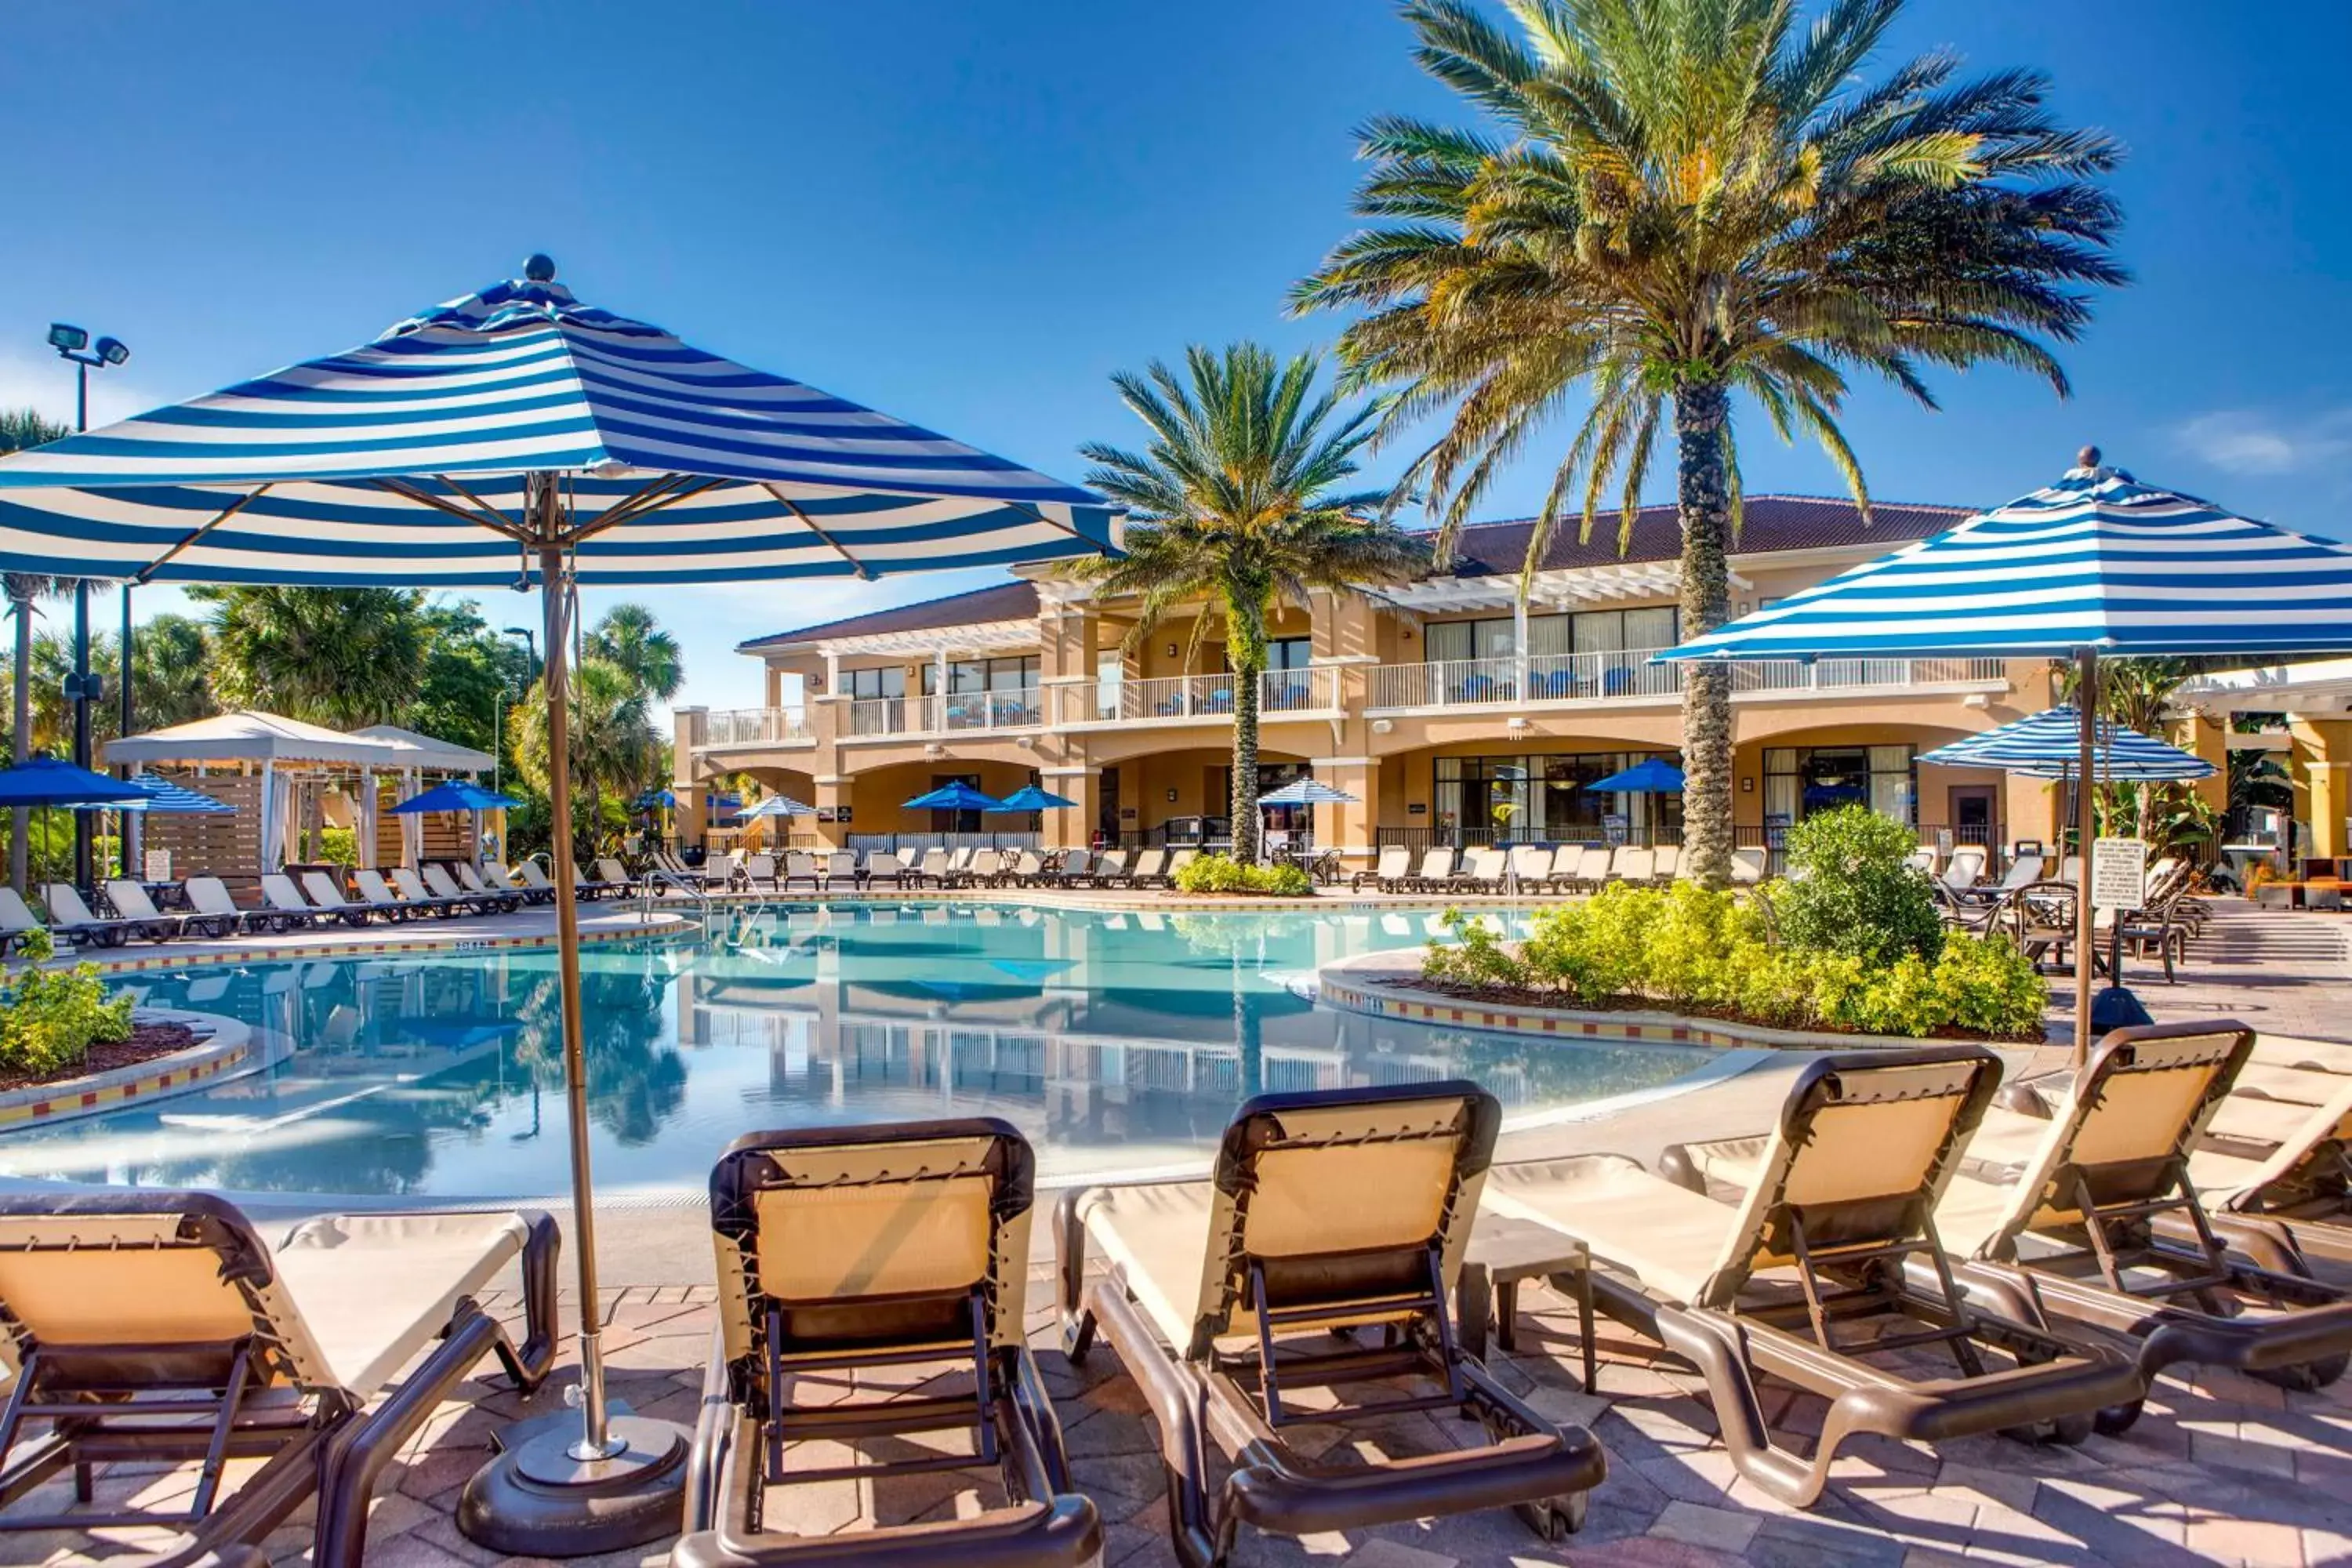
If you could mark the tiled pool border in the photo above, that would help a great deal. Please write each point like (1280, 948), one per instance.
(228, 1049)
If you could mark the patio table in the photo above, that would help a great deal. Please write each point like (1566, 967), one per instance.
(1505, 1252)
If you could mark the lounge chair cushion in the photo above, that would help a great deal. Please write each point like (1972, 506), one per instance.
(1669, 1237)
(1158, 1232)
(376, 1289)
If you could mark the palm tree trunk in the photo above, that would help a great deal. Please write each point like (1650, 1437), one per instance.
(1702, 411)
(1246, 653)
(21, 732)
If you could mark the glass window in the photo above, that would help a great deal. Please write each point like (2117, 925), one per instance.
(1799, 782)
(1447, 640)
(1651, 629)
(868, 684)
(1549, 634)
(1290, 653)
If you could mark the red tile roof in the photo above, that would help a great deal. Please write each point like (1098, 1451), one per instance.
(1772, 523)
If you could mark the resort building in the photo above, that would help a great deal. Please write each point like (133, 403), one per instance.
(1453, 714)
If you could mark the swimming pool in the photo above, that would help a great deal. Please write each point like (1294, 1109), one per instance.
(1118, 1042)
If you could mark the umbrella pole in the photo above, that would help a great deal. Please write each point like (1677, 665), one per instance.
(608, 1479)
(2086, 703)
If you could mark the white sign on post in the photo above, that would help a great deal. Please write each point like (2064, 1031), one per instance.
(2119, 873)
(159, 865)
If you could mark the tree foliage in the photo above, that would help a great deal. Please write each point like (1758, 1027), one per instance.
(344, 658)
(629, 636)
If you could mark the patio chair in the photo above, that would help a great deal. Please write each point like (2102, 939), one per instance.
(1389, 873)
(131, 902)
(498, 874)
(1436, 870)
(2278, 1166)
(71, 917)
(443, 886)
(884, 866)
(1110, 870)
(934, 868)
(1531, 864)
(159, 1326)
(1633, 863)
(472, 881)
(1922, 860)
(1150, 869)
(1326, 1213)
(1960, 877)
(759, 869)
(611, 877)
(1483, 872)
(426, 900)
(283, 904)
(853, 1249)
(375, 894)
(2069, 1217)
(1177, 860)
(1801, 1279)
(841, 866)
(1666, 864)
(1077, 869)
(1580, 870)
(328, 899)
(1748, 867)
(1028, 869)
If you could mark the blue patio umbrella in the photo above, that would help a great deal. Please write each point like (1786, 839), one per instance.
(2095, 563)
(163, 795)
(517, 435)
(1306, 792)
(956, 796)
(455, 794)
(52, 781)
(1651, 775)
(1029, 797)
(2049, 745)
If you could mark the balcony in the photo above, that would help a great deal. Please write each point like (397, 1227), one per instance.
(1566, 680)
(1194, 699)
(744, 727)
(958, 714)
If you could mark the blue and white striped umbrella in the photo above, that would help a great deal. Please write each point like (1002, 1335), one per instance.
(403, 461)
(778, 806)
(163, 795)
(1306, 792)
(2097, 561)
(2049, 744)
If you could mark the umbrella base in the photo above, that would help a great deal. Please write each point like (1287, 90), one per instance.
(2117, 1008)
(535, 1500)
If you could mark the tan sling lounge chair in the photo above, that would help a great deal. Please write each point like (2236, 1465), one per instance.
(1791, 1280)
(159, 1326)
(2281, 1174)
(2088, 1218)
(1327, 1213)
(847, 1250)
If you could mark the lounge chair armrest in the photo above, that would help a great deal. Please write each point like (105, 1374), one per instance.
(1062, 1532)
(714, 1433)
(1692, 1165)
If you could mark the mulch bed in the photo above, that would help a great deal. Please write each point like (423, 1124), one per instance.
(147, 1042)
(1521, 996)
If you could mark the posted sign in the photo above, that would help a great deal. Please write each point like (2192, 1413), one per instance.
(2119, 873)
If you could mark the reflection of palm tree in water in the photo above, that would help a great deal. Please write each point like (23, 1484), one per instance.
(1243, 945)
(634, 1083)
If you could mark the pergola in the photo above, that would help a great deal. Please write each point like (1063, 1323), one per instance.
(274, 769)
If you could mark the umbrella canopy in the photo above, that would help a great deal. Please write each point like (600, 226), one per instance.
(1029, 797)
(163, 795)
(516, 436)
(2049, 744)
(1651, 775)
(778, 806)
(1306, 792)
(52, 781)
(405, 461)
(653, 800)
(457, 795)
(957, 796)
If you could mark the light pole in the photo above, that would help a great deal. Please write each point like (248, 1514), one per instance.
(73, 343)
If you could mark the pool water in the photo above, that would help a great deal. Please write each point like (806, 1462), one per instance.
(1118, 1042)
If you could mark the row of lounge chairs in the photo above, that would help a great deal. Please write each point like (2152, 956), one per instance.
(937, 868)
(2038, 910)
(1535, 869)
(1934, 1265)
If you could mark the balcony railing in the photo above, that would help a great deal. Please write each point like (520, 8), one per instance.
(1194, 697)
(756, 727)
(1628, 675)
(962, 712)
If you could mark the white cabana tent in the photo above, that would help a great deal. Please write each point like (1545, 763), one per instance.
(423, 754)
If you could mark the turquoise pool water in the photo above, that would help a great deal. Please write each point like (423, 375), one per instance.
(1117, 1042)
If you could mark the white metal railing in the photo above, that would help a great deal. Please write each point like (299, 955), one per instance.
(1183, 697)
(755, 726)
(1629, 673)
(1020, 708)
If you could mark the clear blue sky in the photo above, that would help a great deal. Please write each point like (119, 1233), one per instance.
(969, 213)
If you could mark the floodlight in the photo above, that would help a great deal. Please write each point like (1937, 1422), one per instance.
(113, 351)
(67, 339)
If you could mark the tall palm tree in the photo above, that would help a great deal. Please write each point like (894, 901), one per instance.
(629, 636)
(19, 429)
(1233, 503)
(1681, 200)
(339, 656)
(614, 747)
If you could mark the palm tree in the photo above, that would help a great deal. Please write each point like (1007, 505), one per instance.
(1683, 200)
(629, 636)
(1232, 503)
(614, 746)
(2138, 694)
(20, 429)
(339, 656)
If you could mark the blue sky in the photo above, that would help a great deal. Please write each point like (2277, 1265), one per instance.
(969, 214)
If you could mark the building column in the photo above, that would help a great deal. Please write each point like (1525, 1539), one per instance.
(2321, 765)
(1348, 825)
(2207, 737)
(690, 818)
(1072, 827)
(831, 797)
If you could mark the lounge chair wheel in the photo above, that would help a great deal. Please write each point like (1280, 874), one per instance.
(2063, 1431)
(2305, 1377)
(1555, 1519)
(2117, 1419)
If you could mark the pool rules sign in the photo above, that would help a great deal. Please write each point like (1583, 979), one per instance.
(2119, 873)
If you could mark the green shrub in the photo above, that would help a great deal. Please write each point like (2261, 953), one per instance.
(1851, 890)
(50, 1017)
(1223, 874)
(339, 844)
(1690, 949)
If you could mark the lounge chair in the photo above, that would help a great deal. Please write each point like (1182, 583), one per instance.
(884, 866)
(1150, 869)
(1482, 873)
(759, 869)
(159, 1326)
(1922, 860)
(1436, 870)
(611, 877)
(1110, 870)
(472, 881)
(1748, 867)
(2023, 871)
(1666, 864)
(841, 866)
(1633, 863)
(934, 869)
(17, 920)
(437, 877)
(1532, 866)
(1028, 869)
(1326, 1213)
(283, 907)
(986, 870)
(501, 875)
(1389, 873)
(1961, 876)
(2068, 1212)
(1780, 1283)
(71, 917)
(424, 900)
(1177, 860)
(2279, 1170)
(1580, 870)
(328, 898)
(210, 896)
(130, 900)
(851, 1249)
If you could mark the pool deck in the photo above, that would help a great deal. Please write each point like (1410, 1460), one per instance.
(2221, 1469)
